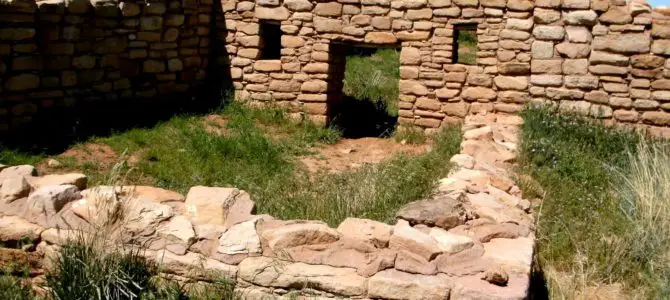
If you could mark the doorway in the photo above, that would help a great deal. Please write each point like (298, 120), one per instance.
(363, 89)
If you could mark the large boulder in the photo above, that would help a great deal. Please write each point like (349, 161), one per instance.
(220, 206)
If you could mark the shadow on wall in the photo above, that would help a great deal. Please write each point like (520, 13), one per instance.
(88, 109)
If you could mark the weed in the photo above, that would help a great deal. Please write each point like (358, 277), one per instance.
(13, 288)
(410, 135)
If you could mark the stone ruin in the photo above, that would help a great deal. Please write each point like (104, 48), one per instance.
(604, 58)
(473, 238)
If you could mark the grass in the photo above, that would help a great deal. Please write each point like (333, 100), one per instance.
(258, 150)
(374, 78)
(467, 47)
(603, 218)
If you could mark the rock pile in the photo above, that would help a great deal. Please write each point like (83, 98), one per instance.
(472, 239)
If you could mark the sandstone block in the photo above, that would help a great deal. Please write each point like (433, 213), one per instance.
(575, 66)
(584, 82)
(598, 57)
(219, 206)
(410, 239)
(49, 200)
(548, 66)
(661, 47)
(542, 50)
(13, 188)
(412, 263)
(629, 43)
(22, 82)
(327, 25)
(656, 118)
(511, 83)
(581, 17)
(299, 5)
(272, 13)
(616, 15)
(546, 16)
(267, 65)
(573, 50)
(328, 9)
(544, 32)
(393, 284)
(380, 38)
(373, 232)
(298, 234)
(474, 93)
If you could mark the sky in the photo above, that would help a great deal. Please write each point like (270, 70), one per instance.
(657, 3)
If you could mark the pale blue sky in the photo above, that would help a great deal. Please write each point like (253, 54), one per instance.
(655, 3)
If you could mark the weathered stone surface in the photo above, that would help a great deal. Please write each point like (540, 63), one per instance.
(192, 265)
(327, 25)
(629, 43)
(441, 211)
(221, 206)
(410, 239)
(542, 50)
(380, 38)
(393, 284)
(14, 229)
(373, 232)
(516, 254)
(511, 83)
(298, 5)
(177, 235)
(276, 13)
(13, 188)
(543, 32)
(414, 263)
(242, 238)
(661, 47)
(267, 272)
(515, 68)
(49, 200)
(573, 50)
(616, 15)
(473, 287)
(598, 57)
(450, 243)
(474, 93)
(298, 234)
(496, 275)
(581, 17)
(17, 171)
(77, 179)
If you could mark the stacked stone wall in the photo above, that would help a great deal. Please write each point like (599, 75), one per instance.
(606, 58)
(56, 54)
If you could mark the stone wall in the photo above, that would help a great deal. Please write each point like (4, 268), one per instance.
(473, 238)
(65, 54)
(604, 58)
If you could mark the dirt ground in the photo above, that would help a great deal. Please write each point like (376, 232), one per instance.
(344, 155)
(349, 154)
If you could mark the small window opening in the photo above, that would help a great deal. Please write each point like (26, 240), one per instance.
(270, 40)
(465, 44)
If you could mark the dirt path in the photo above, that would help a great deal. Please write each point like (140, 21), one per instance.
(352, 153)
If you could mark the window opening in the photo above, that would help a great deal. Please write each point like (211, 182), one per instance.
(270, 40)
(465, 44)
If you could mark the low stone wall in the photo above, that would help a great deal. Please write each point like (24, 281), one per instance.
(472, 239)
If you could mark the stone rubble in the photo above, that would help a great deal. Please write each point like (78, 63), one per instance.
(472, 239)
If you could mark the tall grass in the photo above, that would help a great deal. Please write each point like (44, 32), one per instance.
(374, 78)
(591, 225)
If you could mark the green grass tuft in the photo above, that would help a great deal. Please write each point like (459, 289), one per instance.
(585, 237)
(374, 78)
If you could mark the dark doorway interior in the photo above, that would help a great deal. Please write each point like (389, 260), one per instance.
(353, 109)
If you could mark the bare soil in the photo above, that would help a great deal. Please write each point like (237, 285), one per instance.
(349, 154)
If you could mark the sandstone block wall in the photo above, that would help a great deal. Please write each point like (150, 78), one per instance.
(473, 238)
(604, 58)
(62, 54)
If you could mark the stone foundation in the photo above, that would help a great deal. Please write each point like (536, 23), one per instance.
(472, 239)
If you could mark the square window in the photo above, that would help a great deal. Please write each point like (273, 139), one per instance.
(465, 44)
(270, 40)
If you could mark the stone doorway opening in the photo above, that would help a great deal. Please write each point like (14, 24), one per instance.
(363, 89)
